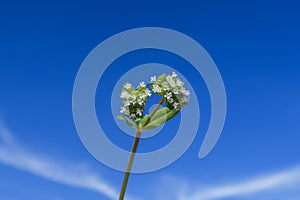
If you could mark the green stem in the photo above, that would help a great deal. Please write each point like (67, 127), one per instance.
(133, 150)
(130, 162)
(154, 111)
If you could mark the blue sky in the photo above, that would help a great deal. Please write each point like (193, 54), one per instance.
(255, 45)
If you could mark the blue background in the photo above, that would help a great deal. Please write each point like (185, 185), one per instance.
(255, 45)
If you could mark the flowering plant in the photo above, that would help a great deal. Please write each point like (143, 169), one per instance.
(173, 94)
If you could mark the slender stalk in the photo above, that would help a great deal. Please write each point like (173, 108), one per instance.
(133, 150)
(154, 110)
(130, 162)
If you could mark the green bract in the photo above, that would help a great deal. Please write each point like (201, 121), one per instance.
(159, 118)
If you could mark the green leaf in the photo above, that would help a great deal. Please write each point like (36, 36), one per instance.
(160, 113)
(144, 120)
(127, 120)
(161, 78)
(160, 117)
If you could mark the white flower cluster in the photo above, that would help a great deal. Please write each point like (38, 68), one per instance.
(134, 101)
(168, 86)
(172, 89)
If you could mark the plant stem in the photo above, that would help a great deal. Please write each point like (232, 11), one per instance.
(155, 110)
(130, 162)
(133, 150)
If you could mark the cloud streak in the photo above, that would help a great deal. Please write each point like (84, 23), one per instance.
(252, 186)
(14, 155)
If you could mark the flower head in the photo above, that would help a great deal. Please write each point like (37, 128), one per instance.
(172, 89)
(153, 78)
(134, 101)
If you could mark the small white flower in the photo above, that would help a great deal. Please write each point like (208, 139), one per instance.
(174, 74)
(140, 102)
(124, 110)
(184, 100)
(128, 86)
(148, 92)
(156, 88)
(183, 90)
(142, 84)
(168, 95)
(170, 100)
(132, 100)
(169, 78)
(126, 103)
(187, 93)
(142, 96)
(153, 79)
(179, 83)
(139, 112)
(175, 105)
(124, 95)
(176, 91)
(166, 86)
(172, 83)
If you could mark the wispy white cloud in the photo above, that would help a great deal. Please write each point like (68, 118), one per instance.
(259, 184)
(14, 155)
